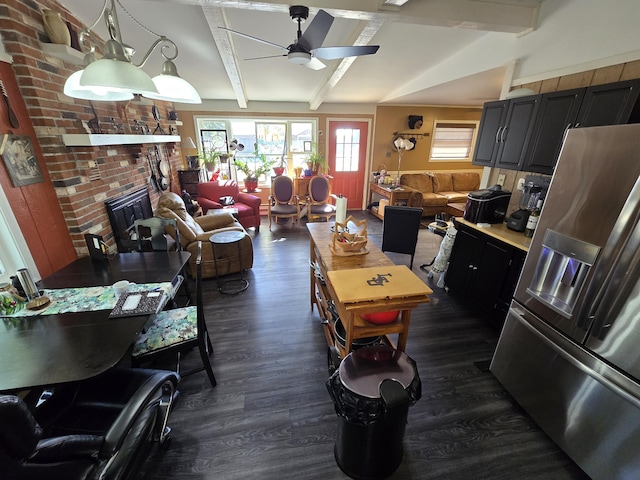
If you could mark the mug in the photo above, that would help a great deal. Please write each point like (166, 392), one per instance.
(121, 287)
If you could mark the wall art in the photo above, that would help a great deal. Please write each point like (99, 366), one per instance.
(20, 159)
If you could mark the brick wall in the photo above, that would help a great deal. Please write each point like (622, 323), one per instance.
(83, 177)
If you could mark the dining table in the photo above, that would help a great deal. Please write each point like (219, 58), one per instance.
(74, 339)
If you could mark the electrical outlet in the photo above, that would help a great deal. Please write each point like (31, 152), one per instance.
(521, 184)
(501, 179)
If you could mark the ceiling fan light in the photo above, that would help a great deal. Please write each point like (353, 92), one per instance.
(72, 88)
(300, 58)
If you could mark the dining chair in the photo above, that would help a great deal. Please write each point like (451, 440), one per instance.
(176, 331)
(283, 202)
(400, 230)
(319, 198)
(155, 235)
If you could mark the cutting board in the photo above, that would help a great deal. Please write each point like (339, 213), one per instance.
(376, 283)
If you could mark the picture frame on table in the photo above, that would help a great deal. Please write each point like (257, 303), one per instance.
(20, 160)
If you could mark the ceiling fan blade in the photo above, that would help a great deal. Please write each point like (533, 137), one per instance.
(255, 38)
(317, 31)
(333, 53)
(270, 56)
(315, 64)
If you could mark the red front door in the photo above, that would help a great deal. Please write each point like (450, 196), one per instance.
(347, 157)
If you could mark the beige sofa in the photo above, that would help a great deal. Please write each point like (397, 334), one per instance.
(434, 191)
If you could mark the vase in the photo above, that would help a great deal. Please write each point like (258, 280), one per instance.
(56, 29)
(278, 171)
(251, 184)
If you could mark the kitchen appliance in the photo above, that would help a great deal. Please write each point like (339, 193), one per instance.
(518, 220)
(488, 205)
(569, 350)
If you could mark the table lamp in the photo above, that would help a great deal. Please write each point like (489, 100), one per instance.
(192, 160)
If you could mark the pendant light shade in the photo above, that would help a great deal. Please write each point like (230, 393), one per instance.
(72, 88)
(171, 87)
(114, 72)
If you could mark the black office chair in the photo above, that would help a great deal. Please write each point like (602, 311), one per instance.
(400, 230)
(103, 427)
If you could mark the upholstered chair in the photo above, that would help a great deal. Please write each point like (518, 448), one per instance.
(209, 194)
(283, 202)
(170, 205)
(320, 201)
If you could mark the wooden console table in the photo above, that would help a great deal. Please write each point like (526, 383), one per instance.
(394, 196)
(343, 277)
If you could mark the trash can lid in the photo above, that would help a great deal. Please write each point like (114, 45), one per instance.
(364, 369)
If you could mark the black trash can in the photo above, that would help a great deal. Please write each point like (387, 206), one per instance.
(372, 391)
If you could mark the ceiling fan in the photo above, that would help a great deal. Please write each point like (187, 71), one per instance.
(308, 48)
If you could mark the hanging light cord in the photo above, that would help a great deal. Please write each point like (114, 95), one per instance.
(161, 38)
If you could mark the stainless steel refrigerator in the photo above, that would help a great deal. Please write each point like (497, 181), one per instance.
(569, 351)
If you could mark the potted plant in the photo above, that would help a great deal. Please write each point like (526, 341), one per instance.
(254, 168)
(279, 167)
(315, 162)
(209, 159)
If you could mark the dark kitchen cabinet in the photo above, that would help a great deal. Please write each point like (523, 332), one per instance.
(516, 132)
(505, 127)
(556, 114)
(609, 104)
(491, 123)
(484, 271)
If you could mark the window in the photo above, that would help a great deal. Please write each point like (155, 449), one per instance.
(347, 149)
(277, 138)
(453, 141)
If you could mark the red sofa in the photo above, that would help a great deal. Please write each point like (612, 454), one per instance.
(248, 205)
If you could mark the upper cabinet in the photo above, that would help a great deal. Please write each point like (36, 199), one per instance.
(505, 127)
(491, 123)
(532, 131)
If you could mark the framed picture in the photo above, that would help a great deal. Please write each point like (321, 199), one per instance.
(20, 159)
(307, 146)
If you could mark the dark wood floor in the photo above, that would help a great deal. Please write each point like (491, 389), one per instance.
(271, 417)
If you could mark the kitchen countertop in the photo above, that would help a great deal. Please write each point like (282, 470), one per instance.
(501, 232)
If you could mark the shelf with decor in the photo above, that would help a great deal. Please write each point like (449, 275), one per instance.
(100, 139)
(63, 52)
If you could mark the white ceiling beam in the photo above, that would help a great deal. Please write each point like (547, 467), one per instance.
(215, 18)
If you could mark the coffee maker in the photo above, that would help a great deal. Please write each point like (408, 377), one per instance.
(531, 193)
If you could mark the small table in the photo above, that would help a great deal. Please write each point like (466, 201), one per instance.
(394, 195)
(229, 238)
(219, 211)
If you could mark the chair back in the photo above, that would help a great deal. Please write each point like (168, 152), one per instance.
(319, 189)
(152, 234)
(282, 189)
(400, 230)
(19, 431)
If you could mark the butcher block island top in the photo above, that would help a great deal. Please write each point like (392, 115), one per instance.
(377, 283)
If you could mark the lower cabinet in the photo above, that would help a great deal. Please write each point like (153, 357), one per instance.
(484, 271)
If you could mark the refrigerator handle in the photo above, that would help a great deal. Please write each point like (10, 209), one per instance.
(620, 258)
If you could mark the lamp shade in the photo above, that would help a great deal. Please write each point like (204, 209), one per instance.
(189, 143)
(72, 88)
(173, 89)
(119, 76)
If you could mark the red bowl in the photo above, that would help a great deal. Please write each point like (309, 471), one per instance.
(380, 318)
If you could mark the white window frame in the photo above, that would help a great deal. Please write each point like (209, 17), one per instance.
(461, 123)
(293, 158)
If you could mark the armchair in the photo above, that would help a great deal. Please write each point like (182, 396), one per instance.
(248, 206)
(171, 206)
(101, 428)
